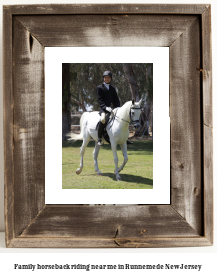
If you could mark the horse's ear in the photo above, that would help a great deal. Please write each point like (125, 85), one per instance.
(133, 101)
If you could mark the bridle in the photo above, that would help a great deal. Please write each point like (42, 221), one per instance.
(131, 120)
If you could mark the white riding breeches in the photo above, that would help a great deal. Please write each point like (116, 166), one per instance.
(103, 117)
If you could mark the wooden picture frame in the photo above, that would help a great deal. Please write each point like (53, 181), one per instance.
(186, 30)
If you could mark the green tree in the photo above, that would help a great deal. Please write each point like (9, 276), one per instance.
(140, 79)
(130, 80)
(88, 77)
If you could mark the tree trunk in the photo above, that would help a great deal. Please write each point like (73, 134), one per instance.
(128, 70)
(142, 128)
(66, 123)
(151, 119)
(66, 113)
(146, 118)
(149, 78)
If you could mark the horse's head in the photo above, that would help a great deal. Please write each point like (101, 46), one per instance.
(135, 111)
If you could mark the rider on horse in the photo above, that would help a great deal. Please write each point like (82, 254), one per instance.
(108, 100)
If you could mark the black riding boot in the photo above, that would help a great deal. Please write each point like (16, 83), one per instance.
(100, 131)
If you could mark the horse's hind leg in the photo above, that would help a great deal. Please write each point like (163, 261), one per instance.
(95, 155)
(124, 151)
(86, 140)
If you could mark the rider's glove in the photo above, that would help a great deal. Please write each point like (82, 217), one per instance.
(109, 109)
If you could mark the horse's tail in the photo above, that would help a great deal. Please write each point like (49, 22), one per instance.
(73, 136)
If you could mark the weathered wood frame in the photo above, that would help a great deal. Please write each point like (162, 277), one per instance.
(188, 220)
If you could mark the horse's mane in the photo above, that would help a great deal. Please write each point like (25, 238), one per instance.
(128, 104)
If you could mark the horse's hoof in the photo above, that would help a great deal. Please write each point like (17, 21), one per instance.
(78, 171)
(118, 178)
(99, 173)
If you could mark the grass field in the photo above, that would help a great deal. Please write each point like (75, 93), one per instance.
(137, 173)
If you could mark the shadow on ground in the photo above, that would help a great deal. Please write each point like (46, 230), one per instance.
(130, 178)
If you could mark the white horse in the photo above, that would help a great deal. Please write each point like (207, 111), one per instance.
(118, 131)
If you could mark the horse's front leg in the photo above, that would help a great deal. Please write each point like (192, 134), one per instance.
(95, 155)
(114, 150)
(124, 151)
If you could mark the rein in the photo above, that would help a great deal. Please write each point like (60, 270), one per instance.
(131, 121)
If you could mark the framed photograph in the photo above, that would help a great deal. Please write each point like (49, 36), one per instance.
(138, 172)
(33, 35)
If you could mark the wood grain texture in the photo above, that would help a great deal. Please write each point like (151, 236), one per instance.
(109, 222)
(207, 67)
(185, 113)
(106, 9)
(207, 122)
(186, 30)
(208, 183)
(107, 30)
(29, 130)
(70, 242)
(8, 125)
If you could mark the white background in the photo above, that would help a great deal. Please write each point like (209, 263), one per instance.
(205, 255)
(54, 194)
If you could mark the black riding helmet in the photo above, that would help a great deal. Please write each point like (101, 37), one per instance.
(107, 73)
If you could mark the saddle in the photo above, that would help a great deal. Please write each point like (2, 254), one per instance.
(108, 120)
(104, 132)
